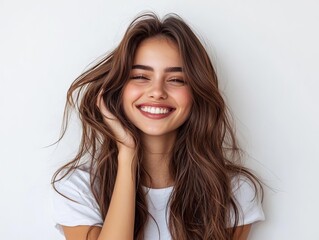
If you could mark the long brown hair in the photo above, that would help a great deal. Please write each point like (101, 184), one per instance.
(205, 156)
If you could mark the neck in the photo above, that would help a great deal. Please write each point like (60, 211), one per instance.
(157, 156)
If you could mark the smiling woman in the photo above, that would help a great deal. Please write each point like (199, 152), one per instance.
(158, 157)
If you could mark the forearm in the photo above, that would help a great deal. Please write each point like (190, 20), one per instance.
(242, 232)
(119, 221)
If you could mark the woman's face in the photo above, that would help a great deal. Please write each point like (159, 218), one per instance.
(157, 98)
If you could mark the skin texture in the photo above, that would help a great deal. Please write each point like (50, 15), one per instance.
(158, 83)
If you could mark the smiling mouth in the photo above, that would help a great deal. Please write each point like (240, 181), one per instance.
(155, 110)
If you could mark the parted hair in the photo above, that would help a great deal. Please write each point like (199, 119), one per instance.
(205, 157)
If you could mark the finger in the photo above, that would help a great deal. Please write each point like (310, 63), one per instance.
(99, 98)
(101, 105)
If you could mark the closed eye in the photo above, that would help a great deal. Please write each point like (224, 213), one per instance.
(177, 81)
(139, 76)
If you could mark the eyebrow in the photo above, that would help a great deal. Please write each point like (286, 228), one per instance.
(148, 68)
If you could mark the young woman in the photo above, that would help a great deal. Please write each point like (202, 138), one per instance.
(158, 157)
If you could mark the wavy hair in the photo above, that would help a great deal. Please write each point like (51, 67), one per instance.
(205, 156)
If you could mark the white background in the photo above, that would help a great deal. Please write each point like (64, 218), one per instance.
(266, 55)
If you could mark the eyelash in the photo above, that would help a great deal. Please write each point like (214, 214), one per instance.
(177, 80)
(140, 76)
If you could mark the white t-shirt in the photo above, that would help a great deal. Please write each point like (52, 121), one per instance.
(84, 210)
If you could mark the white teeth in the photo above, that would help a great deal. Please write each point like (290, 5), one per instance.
(155, 110)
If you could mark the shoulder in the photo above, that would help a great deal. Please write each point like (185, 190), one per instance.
(242, 186)
(248, 200)
(77, 179)
(73, 201)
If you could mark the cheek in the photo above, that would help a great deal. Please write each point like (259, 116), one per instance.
(130, 94)
(185, 99)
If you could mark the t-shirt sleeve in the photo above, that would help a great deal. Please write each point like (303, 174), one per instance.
(78, 205)
(247, 201)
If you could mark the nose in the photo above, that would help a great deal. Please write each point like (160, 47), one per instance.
(157, 91)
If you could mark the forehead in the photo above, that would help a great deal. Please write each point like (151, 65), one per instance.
(159, 39)
(155, 49)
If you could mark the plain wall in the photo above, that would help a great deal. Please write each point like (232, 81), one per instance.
(266, 56)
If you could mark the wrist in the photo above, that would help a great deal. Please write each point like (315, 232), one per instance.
(126, 156)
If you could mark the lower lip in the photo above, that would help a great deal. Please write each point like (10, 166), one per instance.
(156, 116)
